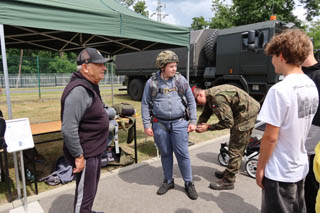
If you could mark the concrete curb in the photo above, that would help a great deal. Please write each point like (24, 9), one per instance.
(71, 186)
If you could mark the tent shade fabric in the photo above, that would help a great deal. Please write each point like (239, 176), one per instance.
(71, 25)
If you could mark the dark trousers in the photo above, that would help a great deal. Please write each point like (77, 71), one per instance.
(311, 188)
(87, 185)
(282, 197)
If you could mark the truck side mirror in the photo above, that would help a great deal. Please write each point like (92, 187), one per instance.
(252, 40)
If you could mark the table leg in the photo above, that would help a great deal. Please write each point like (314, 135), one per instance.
(135, 142)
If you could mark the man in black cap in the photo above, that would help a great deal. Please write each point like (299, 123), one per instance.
(85, 126)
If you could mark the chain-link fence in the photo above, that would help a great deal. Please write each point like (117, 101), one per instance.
(50, 80)
(46, 71)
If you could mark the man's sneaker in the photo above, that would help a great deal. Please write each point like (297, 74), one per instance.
(96, 212)
(165, 187)
(222, 184)
(191, 191)
(219, 174)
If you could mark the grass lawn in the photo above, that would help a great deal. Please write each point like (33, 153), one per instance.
(28, 105)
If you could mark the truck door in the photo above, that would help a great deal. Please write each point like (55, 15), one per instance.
(228, 50)
(253, 63)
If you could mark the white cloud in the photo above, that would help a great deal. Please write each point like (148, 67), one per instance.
(181, 12)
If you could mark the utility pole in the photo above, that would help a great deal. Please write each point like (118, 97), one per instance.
(160, 14)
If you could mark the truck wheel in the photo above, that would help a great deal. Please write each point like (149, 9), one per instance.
(135, 89)
(210, 47)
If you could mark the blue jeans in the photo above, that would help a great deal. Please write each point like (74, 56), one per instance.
(172, 136)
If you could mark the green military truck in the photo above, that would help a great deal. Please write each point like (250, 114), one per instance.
(234, 56)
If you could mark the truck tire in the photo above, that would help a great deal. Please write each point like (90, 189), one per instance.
(135, 89)
(210, 47)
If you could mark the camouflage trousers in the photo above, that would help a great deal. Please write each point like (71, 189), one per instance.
(237, 145)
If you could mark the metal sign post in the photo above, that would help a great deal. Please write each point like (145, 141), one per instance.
(6, 80)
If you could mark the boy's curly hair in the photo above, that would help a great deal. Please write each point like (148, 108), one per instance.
(293, 44)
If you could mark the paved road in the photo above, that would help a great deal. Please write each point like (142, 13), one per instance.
(133, 189)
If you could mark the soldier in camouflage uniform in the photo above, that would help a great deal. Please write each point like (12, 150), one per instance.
(237, 111)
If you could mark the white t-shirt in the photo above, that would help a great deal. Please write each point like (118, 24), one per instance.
(291, 105)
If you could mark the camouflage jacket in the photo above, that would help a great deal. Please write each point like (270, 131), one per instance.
(233, 107)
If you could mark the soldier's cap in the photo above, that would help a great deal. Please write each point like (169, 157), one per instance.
(91, 55)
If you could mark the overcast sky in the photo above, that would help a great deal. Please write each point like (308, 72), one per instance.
(181, 12)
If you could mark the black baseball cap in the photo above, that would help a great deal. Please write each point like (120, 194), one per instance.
(91, 55)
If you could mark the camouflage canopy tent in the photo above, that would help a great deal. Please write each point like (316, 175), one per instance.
(60, 25)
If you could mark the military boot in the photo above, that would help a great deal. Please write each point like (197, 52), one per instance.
(219, 174)
(165, 187)
(222, 184)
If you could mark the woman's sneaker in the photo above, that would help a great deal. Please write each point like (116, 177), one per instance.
(191, 190)
(165, 187)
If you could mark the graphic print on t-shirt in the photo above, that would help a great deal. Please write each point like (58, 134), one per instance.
(306, 105)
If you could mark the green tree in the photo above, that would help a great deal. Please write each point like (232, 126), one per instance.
(199, 23)
(246, 12)
(223, 17)
(49, 62)
(312, 7)
(140, 7)
(62, 65)
(251, 11)
(314, 32)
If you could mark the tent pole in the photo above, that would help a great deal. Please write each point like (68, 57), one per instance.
(188, 65)
(188, 60)
(6, 80)
(5, 71)
(112, 70)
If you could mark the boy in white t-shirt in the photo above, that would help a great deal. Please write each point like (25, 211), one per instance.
(288, 110)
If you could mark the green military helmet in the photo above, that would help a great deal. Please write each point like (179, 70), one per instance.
(165, 57)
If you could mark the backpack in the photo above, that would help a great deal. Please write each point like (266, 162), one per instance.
(179, 87)
(62, 174)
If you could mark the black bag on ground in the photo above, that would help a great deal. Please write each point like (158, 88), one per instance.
(110, 158)
(124, 109)
(33, 162)
(109, 155)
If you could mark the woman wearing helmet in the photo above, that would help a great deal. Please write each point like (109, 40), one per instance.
(166, 98)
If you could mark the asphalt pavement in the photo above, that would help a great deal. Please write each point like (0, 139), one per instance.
(132, 189)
